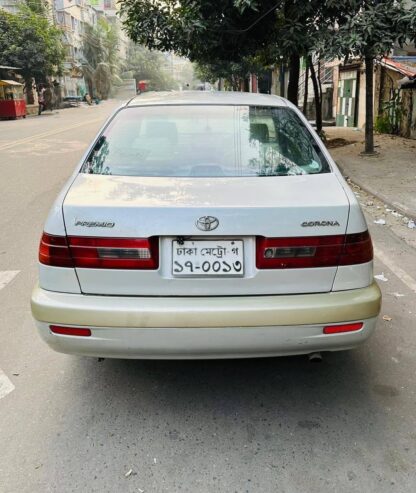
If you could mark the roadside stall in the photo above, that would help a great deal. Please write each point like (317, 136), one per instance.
(12, 101)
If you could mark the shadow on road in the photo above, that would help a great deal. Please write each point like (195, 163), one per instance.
(229, 425)
(310, 393)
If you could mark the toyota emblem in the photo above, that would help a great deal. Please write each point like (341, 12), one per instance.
(207, 223)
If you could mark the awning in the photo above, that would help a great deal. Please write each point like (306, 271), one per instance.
(406, 70)
(9, 83)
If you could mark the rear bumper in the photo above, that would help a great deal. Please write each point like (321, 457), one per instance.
(205, 327)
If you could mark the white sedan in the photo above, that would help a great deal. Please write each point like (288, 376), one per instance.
(205, 225)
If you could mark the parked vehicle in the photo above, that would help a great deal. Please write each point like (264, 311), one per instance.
(12, 100)
(142, 86)
(205, 225)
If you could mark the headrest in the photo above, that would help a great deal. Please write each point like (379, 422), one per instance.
(259, 131)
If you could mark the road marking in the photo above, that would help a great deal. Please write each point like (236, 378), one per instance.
(14, 143)
(6, 385)
(6, 276)
(398, 271)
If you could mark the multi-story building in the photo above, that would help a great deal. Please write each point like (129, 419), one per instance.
(10, 5)
(110, 10)
(72, 16)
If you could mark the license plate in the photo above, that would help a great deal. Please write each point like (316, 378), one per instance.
(223, 258)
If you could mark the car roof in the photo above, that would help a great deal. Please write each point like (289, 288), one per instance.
(206, 97)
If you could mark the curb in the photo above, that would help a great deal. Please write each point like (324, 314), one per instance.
(403, 210)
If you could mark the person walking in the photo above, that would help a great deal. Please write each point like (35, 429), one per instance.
(41, 99)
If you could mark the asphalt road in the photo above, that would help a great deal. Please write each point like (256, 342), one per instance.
(70, 424)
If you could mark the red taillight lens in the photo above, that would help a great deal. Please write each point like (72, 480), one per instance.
(54, 250)
(115, 253)
(99, 253)
(337, 329)
(358, 249)
(313, 251)
(70, 331)
(298, 253)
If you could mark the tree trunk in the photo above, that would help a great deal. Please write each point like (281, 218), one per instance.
(305, 93)
(318, 76)
(293, 87)
(282, 79)
(381, 91)
(317, 95)
(369, 112)
(28, 89)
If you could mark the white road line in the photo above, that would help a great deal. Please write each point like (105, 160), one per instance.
(42, 135)
(6, 276)
(6, 385)
(398, 271)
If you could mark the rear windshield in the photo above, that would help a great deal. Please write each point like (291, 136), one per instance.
(202, 141)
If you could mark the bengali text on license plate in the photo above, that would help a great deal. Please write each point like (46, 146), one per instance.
(208, 258)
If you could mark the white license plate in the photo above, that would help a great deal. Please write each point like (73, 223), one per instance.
(223, 258)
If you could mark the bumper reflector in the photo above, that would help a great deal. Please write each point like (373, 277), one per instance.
(70, 331)
(336, 329)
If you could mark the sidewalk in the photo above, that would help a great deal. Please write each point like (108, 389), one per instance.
(391, 176)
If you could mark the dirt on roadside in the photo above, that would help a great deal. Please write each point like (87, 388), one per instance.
(337, 142)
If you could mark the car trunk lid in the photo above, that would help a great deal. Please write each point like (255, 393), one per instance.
(167, 208)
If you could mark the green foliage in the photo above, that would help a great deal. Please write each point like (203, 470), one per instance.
(101, 47)
(206, 31)
(371, 29)
(102, 80)
(233, 73)
(150, 65)
(37, 6)
(382, 125)
(388, 122)
(27, 40)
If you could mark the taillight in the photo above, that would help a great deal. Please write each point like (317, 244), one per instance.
(70, 331)
(358, 249)
(339, 329)
(313, 251)
(115, 253)
(54, 250)
(99, 253)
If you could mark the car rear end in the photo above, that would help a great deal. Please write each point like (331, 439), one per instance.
(206, 230)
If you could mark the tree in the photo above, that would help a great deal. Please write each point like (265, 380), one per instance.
(231, 73)
(102, 65)
(151, 65)
(369, 32)
(39, 7)
(206, 31)
(224, 37)
(29, 42)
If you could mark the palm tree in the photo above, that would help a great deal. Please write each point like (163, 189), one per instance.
(101, 66)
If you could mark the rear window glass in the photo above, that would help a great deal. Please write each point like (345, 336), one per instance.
(202, 141)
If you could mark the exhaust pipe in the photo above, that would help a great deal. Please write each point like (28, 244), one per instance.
(315, 357)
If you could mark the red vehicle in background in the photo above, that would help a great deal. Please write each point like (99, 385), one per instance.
(142, 86)
(12, 101)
